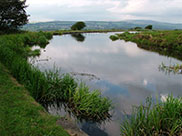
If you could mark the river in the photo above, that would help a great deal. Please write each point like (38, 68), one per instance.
(122, 71)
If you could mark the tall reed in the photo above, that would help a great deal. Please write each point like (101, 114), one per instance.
(90, 104)
(161, 119)
(49, 86)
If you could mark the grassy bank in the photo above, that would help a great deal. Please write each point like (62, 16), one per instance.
(60, 32)
(161, 119)
(167, 43)
(49, 86)
(20, 115)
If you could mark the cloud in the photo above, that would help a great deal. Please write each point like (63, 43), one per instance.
(107, 10)
(146, 9)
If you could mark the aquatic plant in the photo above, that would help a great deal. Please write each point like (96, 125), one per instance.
(114, 37)
(175, 69)
(60, 87)
(20, 115)
(33, 53)
(162, 118)
(90, 105)
(49, 86)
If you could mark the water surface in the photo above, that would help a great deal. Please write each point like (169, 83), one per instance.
(122, 71)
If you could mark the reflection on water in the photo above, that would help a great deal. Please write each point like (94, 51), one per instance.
(171, 69)
(61, 108)
(78, 36)
(127, 74)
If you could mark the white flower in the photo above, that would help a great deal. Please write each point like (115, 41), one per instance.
(164, 97)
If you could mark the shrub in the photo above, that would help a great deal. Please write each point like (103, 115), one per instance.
(149, 27)
(78, 26)
(114, 37)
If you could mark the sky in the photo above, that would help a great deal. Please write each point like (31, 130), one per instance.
(105, 10)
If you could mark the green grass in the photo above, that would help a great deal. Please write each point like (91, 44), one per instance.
(60, 32)
(161, 119)
(20, 115)
(167, 43)
(49, 86)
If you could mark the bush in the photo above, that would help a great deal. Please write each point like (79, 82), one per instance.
(138, 28)
(114, 37)
(78, 26)
(149, 27)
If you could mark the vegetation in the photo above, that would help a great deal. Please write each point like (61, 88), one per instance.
(12, 14)
(90, 105)
(138, 28)
(114, 37)
(149, 27)
(100, 25)
(48, 86)
(77, 32)
(78, 26)
(78, 36)
(167, 43)
(160, 119)
(175, 69)
(19, 113)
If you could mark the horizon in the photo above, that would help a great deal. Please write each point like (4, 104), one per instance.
(108, 10)
(101, 21)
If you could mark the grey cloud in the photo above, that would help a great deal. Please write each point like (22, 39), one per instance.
(161, 10)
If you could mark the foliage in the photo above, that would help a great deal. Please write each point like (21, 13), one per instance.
(175, 69)
(99, 25)
(78, 26)
(162, 118)
(114, 37)
(77, 32)
(12, 14)
(48, 86)
(167, 43)
(149, 27)
(138, 28)
(20, 115)
(90, 105)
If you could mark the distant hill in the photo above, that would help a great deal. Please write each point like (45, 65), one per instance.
(57, 25)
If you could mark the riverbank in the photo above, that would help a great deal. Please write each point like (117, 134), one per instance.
(20, 114)
(48, 87)
(168, 43)
(61, 32)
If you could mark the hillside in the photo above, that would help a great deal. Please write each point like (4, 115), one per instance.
(57, 25)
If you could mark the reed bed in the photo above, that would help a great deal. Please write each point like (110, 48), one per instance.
(90, 104)
(160, 119)
(49, 86)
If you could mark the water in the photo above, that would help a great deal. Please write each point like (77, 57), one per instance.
(122, 71)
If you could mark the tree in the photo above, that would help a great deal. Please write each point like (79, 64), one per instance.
(78, 26)
(12, 14)
(138, 28)
(149, 27)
